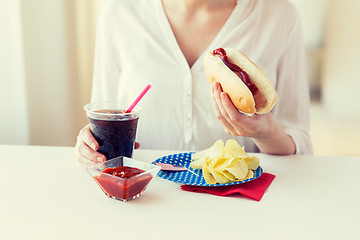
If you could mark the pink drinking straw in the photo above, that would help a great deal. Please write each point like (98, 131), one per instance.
(138, 99)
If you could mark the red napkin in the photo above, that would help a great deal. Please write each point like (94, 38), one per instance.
(254, 189)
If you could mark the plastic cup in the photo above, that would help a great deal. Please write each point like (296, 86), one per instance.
(113, 128)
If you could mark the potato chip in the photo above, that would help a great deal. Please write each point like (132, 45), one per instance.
(219, 177)
(220, 163)
(224, 163)
(198, 159)
(250, 174)
(196, 164)
(228, 175)
(198, 155)
(238, 168)
(232, 148)
(252, 162)
(207, 175)
(216, 150)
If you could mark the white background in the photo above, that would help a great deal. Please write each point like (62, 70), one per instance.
(46, 68)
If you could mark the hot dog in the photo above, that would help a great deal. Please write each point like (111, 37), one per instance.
(246, 84)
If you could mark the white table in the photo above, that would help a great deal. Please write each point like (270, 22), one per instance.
(45, 194)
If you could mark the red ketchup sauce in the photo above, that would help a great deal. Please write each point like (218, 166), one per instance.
(221, 53)
(127, 186)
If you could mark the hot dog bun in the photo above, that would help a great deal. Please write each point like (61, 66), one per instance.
(239, 93)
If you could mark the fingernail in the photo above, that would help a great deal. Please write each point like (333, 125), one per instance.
(216, 86)
(93, 146)
(222, 96)
(100, 159)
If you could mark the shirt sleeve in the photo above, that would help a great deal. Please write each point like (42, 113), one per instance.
(292, 109)
(106, 60)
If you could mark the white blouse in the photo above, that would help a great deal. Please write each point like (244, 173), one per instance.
(135, 46)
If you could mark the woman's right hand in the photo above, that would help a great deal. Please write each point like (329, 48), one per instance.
(86, 148)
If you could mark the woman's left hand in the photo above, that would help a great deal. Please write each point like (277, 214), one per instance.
(263, 128)
(236, 123)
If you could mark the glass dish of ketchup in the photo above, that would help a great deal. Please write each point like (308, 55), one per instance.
(123, 178)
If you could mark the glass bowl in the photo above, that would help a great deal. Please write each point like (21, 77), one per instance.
(123, 187)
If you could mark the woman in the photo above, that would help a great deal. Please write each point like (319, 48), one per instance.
(163, 43)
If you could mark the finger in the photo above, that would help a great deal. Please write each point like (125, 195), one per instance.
(233, 116)
(217, 95)
(88, 138)
(231, 111)
(214, 102)
(84, 162)
(86, 152)
(242, 119)
(218, 108)
(216, 99)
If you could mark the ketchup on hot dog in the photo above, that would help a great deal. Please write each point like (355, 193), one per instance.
(259, 99)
